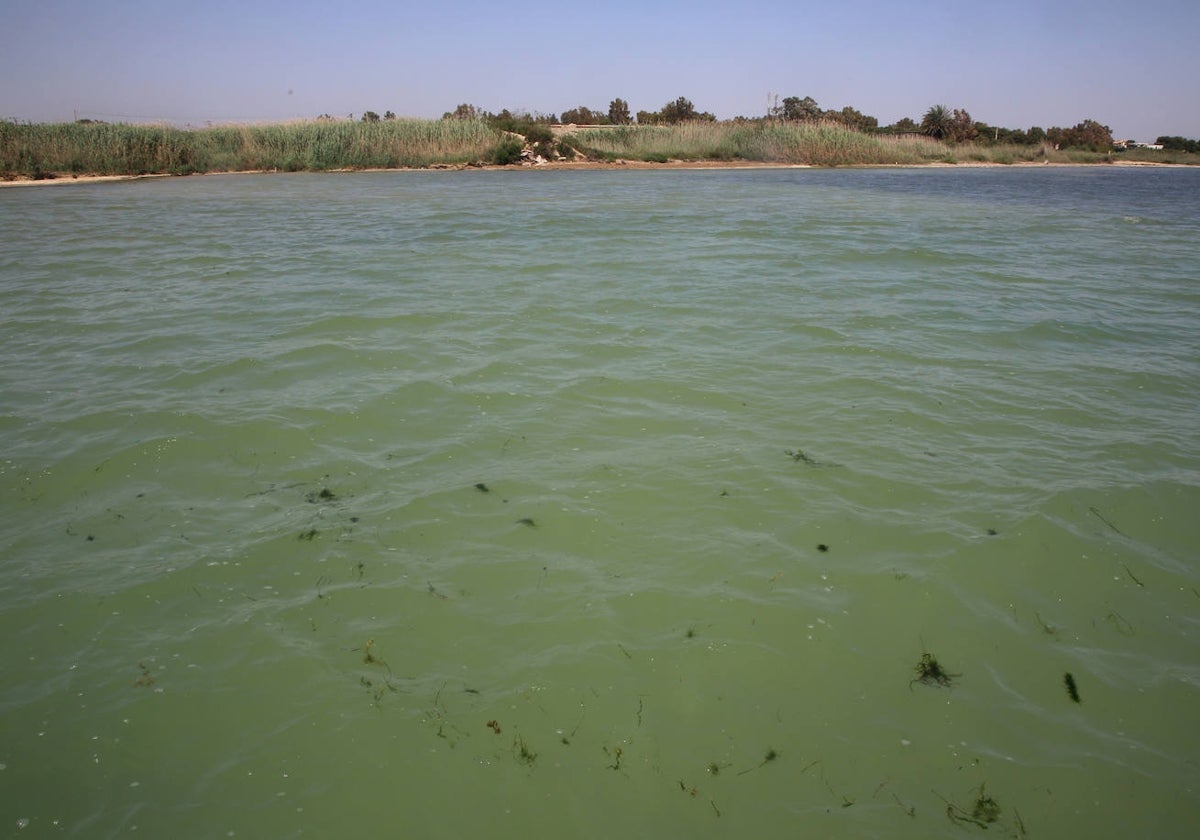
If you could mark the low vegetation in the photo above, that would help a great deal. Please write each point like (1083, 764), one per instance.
(797, 131)
(64, 149)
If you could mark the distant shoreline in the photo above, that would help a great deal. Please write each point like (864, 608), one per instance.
(615, 166)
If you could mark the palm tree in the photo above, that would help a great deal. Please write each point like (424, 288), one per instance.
(938, 122)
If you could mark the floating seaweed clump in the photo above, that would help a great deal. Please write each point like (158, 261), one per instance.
(930, 672)
(799, 455)
(1072, 690)
(324, 495)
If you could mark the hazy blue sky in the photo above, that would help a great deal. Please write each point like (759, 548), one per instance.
(1132, 66)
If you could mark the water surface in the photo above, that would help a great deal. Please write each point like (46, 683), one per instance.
(585, 504)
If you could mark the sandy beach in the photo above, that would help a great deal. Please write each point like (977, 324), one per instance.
(618, 165)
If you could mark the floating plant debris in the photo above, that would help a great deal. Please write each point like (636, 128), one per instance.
(1072, 689)
(799, 455)
(377, 692)
(145, 678)
(1048, 629)
(767, 759)
(984, 811)
(616, 754)
(991, 532)
(1100, 516)
(369, 657)
(527, 522)
(494, 726)
(309, 535)
(1120, 623)
(483, 488)
(1132, 577)
(930, 672)
(822, 547)
(522, 752)
(324, 495)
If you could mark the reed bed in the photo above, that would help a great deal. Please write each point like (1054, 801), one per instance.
(62, 149)
(815, 143)
(48, 149)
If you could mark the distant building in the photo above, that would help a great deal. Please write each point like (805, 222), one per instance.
(1134, 144)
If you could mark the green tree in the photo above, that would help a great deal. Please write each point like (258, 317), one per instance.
(465, 111)
(904, 125)
(1177, 143)
(618, 112)
(937, 122)
(682, 110)
(797, 109)
(370, 116)
(584, 116)
(1088, 134)
(1094, 136)
(962, 127)
(856, 119)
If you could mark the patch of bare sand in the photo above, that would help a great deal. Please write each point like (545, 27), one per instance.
(616, 165)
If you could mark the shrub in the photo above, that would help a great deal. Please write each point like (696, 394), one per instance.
(506, 152)
(538, 134)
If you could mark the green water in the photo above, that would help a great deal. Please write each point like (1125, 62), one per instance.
(752, 444)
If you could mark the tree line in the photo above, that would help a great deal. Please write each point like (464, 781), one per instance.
(951, 125)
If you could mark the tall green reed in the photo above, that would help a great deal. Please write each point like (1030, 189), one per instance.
(41, 150)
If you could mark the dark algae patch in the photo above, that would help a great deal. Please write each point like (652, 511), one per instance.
(1072, 689)
(483, 488)
(800, 456)
(527, 522)
(322, 495)
(931, 672)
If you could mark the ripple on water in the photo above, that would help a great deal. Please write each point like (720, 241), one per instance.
(753, 443)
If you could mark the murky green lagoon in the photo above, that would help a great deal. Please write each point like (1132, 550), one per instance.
(602, 504)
